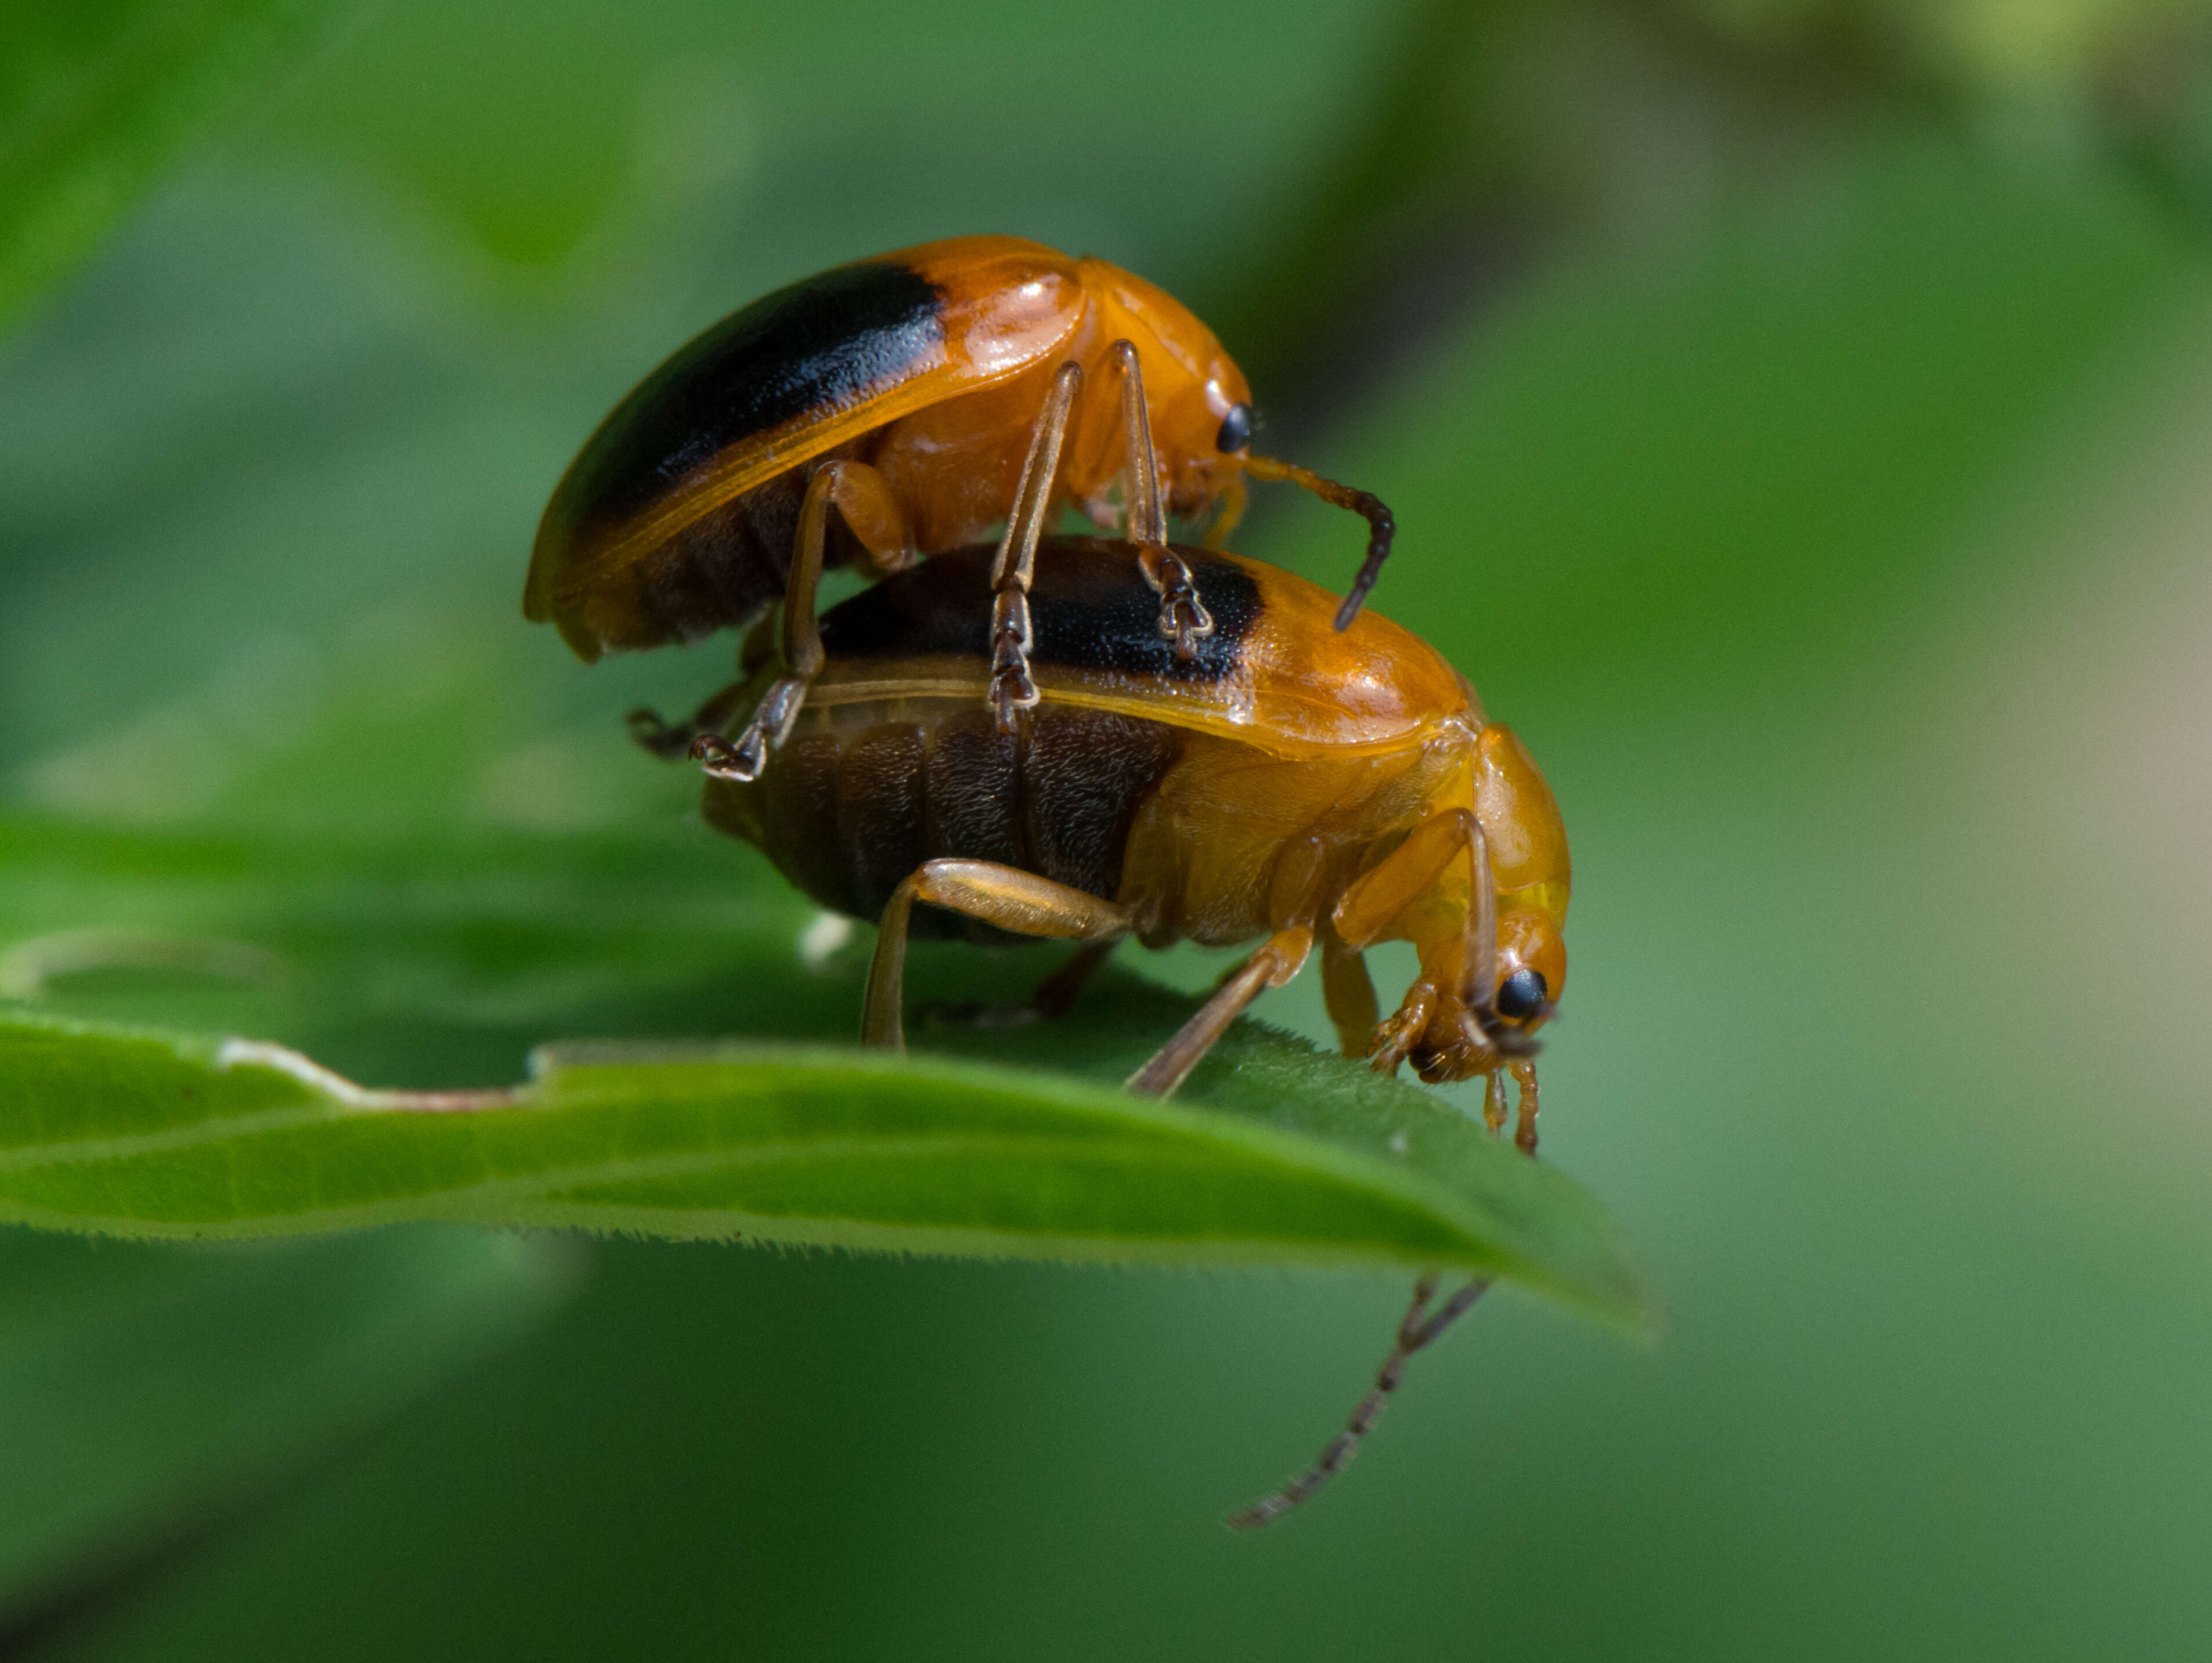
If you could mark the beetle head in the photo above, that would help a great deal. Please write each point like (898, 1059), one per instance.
(1532, 967)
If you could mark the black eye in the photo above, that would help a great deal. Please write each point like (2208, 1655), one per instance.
(1522, 994)
(1236, 429)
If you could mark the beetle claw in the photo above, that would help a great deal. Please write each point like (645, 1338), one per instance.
(1183, 617)
(1395, 1039)
(1184, 620)
(742, 762)
(1012, 691)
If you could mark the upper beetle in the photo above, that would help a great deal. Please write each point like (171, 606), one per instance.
(906, 390)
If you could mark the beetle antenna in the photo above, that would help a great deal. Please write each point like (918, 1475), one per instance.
(1416, 1328)
(1382, 525)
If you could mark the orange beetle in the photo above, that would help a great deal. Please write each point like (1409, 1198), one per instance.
(1316, 790)
(906, 390)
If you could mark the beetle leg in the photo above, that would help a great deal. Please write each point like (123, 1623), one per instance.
(1381, 525)
(1378, 894)
(1183, 617)
(1349, 992)
(1017, 901)
(871, 510)
(1051, 1000)
(1233, 501)
(1055, 995)
(670, 740)
(1447, 1025)
(1393, 1040)
(1012, 691)
(859, 492)
(1280, 958)
(1524, 1132)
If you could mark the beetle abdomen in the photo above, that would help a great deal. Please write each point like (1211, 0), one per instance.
(722, 570)
(861, 797)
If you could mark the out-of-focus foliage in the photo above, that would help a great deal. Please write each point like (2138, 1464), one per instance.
(1496, 131)
(97, 97)
(143, 1386)
(2068, 49)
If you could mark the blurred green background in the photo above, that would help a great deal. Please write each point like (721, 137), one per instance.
(1798, 417)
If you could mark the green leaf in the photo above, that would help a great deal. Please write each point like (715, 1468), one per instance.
(317, 1340)
(428, 964)
(138, 1134)
(97, 96)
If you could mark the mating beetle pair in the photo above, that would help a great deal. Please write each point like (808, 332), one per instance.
(1082, 738)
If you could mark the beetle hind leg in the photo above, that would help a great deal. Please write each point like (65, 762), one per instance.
(1051, 1000)
(669, 740)
(864, 500)
(1019, 902)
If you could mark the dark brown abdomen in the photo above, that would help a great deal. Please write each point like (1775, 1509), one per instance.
(724, 569)
(848, 810)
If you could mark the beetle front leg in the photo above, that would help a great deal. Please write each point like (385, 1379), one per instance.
(1183, 617)
(1447, 1027)
(1012, 691)
(865, 499)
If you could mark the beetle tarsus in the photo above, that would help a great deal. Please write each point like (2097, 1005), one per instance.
(1524, 1133)
(1012, 689)
(1395, 1039)
(1012, 693)
(1183, 617)
(1493, 1102)
(721, 760)
(770, 726)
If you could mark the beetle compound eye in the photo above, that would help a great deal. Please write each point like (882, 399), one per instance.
(1522, 994)
(1235, 430)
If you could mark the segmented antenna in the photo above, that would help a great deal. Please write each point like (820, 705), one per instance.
(1414, 1332)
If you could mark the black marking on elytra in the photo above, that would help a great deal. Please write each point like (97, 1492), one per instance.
(1089, 609)
(823, 345)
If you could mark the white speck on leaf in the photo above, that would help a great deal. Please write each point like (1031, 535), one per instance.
(819, 941)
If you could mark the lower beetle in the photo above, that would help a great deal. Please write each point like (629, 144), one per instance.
(1274, 778)
(1281, 780)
